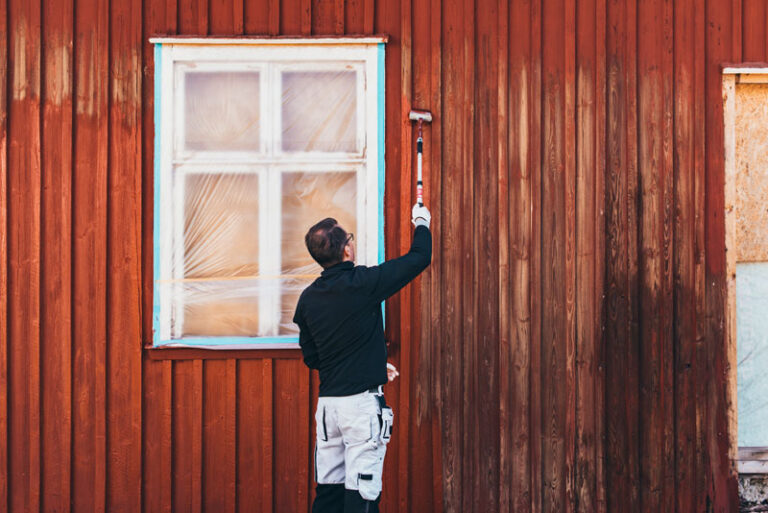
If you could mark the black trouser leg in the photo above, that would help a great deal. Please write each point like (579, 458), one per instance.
(354, 503)
(329, 499)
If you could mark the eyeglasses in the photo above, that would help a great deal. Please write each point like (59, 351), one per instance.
(350, 238)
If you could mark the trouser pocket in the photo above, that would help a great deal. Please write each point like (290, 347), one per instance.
(386, 419)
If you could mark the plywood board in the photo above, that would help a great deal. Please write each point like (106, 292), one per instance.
(752, 172)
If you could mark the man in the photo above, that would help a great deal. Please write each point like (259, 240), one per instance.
(341, 334)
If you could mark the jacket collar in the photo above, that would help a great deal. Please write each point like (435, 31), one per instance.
(341, 266)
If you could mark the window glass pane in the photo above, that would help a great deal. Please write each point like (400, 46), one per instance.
(319, 111)
(221, 111)
(221, 254)
(308, 198)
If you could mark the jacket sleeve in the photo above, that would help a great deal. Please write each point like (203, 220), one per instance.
(395, 274)
(308, 347)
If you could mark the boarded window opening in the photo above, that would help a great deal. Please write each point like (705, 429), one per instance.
(746, 147)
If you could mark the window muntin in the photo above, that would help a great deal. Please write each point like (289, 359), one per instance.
(230, 259)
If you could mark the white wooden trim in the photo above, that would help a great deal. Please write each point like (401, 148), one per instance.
(371, 217)
(736, 70)
(731, 340)
(166, 179)
(752, 460)
(276, 41)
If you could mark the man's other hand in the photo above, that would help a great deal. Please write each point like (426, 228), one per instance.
(420, 215)
(392, 372)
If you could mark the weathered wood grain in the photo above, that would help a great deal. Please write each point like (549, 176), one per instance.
(485, 269)
(157, 376)
(56, 256)
(89, 266)
(565, 350)
(4, 259)
(219, 467)
(24, 245)
(685, 255)
(290, 437)
(722, 489)
(254, 435)
(753, 37)
(187, 459)
(124, 394)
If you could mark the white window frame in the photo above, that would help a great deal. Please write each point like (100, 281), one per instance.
(269, 57)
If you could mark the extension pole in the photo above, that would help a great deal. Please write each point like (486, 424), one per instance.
(420, 116)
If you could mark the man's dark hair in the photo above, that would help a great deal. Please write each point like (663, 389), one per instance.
(326, 241)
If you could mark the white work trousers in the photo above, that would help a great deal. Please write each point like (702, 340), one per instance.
(352, 436)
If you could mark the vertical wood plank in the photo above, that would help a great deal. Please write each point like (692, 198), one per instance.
(157, 376)
(685, 255)
(722, 486)
(219, 435)
(291, 446)
(226, 17)
(56, 256)
(700, 286)
(569, 271)
(467, 299)
(4, 259)
(323, 16)
(535, 161)
(274, 17)
(193, 17)
(90, 257)
(290, 17)
(667, 304)
(617, 306)
(156, 474)
(24, 246)
(486, 244)
(454, 66)
(652, 167)
(521, 142)
(354, 17)
(754, 34)
(254, 435)
(555, 280)
(589, 166)
(506, 370)
(369, 17)
(256, 17)
(633, 283)
(124, 259)
(338, 26)
(187, 436)
(405, 299)
(601, 109)
(306, 17)
(433, 322)
(420, 442)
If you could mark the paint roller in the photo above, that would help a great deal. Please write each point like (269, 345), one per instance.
(420, 116)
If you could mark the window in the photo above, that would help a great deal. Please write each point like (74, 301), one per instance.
(256, 140)
(746, 138)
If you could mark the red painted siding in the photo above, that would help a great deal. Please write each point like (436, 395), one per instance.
(564, 352)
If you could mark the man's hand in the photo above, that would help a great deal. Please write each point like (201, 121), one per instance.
(392, 372)
(420, 215)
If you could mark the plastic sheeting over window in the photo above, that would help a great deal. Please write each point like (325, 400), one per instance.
(263, 149)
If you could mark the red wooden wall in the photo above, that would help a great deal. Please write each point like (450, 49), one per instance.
(564, 353)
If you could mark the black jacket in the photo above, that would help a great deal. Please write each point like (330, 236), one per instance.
(339, 318)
